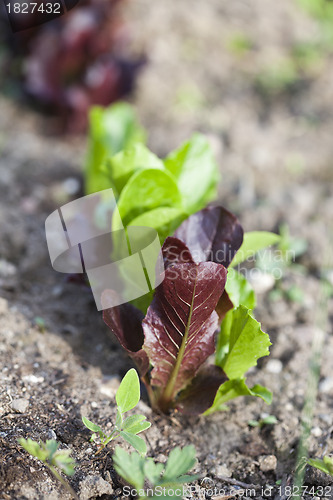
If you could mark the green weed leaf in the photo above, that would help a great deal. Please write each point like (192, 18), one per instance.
(63, 461)
(180, 461)
(153, 471)
(137, 442)
(119, 419)
(128, 394)
(325, 465)
(34, 448)
(130, 466)
(49, 454)
(269, 420)
(135, 469)
(136, 424)
(91, 426)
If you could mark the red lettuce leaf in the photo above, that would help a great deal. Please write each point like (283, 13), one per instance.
(223, 306)
(213, 234)
(180, 325)
(125, 321)
(174, 251)
(71, 64)
(200, 395)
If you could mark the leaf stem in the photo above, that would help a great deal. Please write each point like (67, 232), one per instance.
(62, 481)
(109, 438)
(150, 392)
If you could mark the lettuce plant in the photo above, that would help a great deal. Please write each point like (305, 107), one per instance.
(200, 308)
(196, 311)
(70, 64)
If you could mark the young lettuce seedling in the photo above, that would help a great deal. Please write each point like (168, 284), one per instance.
(201, 307)
(169, 478)
(53, 458)
(127, 397)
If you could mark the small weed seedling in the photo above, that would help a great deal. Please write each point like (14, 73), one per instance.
(166, 481)
(53, 458)
(127, 397)
(268, 420)
(325, 464)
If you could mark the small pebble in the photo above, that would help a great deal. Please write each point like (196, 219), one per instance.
(223, 471)
(261, 282)
(94, 486)
(71, 185)
(330, 276)
(109, 386)
(94, 404)
(267, 463)
(57, 290)
(326, 385)
(327, 418)
(33, 379)
(7, 269)
(316, 431)
(274, 366)
(3, 306)
(20, 405)
(51, 434)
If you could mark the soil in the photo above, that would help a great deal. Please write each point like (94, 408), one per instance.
(59, 361)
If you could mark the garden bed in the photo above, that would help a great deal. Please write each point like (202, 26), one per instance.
(59, 359)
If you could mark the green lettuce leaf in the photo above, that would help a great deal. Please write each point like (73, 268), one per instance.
(234, 388)
(194, 166)
(246, 343)
(124, 164)
(239, 290)
(145, 191)
(252, 243)
(164, 219)
(110, 130)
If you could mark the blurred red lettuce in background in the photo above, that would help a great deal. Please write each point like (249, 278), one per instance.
(70, 63)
